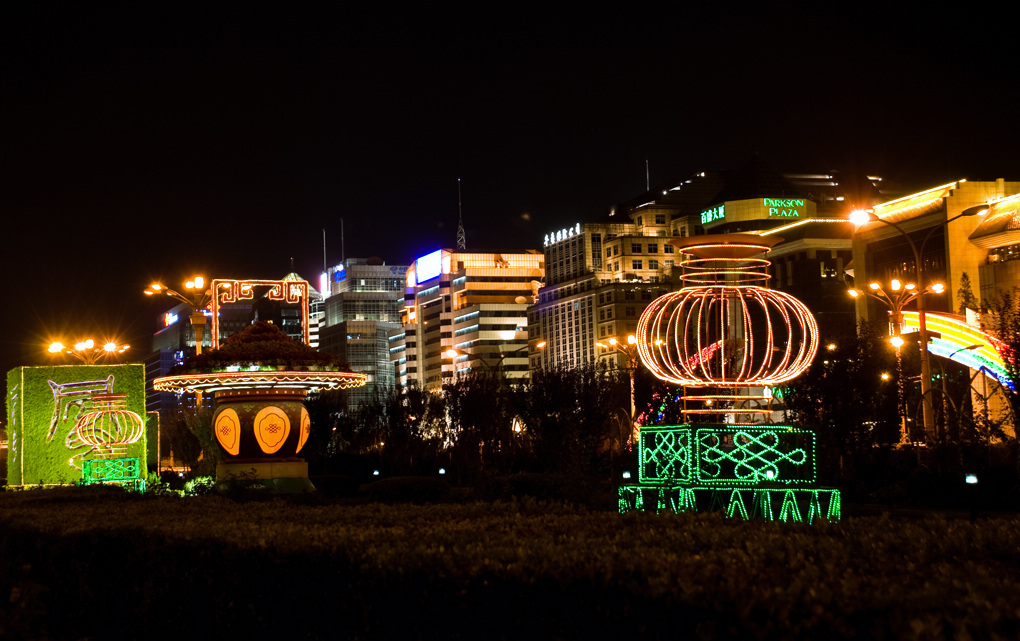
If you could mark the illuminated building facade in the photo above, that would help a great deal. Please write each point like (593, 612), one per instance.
(960, 228)
(362, 305)
(599, 278)
(474, 304)
(950, 245)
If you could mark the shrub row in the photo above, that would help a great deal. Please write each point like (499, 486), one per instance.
(94, 562)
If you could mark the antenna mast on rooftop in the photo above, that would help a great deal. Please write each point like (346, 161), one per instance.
(461, 236)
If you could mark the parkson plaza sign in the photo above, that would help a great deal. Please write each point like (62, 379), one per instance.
(756, 209)
(783, 207)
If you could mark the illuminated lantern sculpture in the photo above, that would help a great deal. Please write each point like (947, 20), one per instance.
(725, 337)
(109, 427)
(724, 333)
(260, 419)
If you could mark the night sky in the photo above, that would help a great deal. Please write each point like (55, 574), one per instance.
(143, 142)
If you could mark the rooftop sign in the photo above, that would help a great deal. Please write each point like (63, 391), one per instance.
(563, 234)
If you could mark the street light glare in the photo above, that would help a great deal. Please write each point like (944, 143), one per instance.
(896, 284)
(56, 347)
(631, 339)
(938, 288)
(199, 281)
(874, 286)
(858, 217)
(897, 341)
(612, 341)
(853, 292)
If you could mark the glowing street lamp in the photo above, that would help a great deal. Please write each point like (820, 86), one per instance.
(630, 351)
(860, 217)
(88, 351)
(899, 295)
(197, 297)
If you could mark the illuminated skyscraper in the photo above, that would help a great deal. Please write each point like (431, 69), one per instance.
(465, 312)
(362, 304)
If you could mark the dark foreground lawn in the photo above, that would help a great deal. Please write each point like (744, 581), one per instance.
(96, 563)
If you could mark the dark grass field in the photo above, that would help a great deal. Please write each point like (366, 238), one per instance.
(97, 563)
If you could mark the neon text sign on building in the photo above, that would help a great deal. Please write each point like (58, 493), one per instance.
(783, 207)
(715, 213)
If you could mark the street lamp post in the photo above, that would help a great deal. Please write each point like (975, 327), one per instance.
(630, 351)
(859, 217)
(196, 298)
(898, 297)
(88, 351)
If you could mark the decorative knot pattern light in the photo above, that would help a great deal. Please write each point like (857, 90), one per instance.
(725, 328)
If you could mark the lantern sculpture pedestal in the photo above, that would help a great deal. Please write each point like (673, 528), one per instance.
(765, 471)
(724, 337)
(261, 422)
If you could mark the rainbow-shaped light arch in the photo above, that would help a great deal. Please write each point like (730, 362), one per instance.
(956, 336)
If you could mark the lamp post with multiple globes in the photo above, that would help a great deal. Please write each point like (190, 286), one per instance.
(898, 296)
(860, 217)
(196, 298)
(88, 351)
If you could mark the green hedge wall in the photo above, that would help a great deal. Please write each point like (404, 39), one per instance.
(98, 563)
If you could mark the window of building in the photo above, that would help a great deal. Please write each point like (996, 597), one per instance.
(653, 264)
(660, 219)
(635, 248)
(668, 264)
(669, 249)
(628, 295)
(609, 252)
(636, 264)
(629, 312)
(638, 220)
(653, 248)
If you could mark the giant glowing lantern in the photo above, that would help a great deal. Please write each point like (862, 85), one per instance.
(725, 334)
(726, 337)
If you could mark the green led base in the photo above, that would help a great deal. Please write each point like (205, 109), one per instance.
(125, 472)
(772, 504)
(750, 471)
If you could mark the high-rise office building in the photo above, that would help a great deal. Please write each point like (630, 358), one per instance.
(465, 312)
(363, 299)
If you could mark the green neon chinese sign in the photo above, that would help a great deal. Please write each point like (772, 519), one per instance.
(782, 207)
(715, 213)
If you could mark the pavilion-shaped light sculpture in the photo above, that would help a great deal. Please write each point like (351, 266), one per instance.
(259, 419)
(725, 337)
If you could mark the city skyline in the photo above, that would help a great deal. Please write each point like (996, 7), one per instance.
(142, 145)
